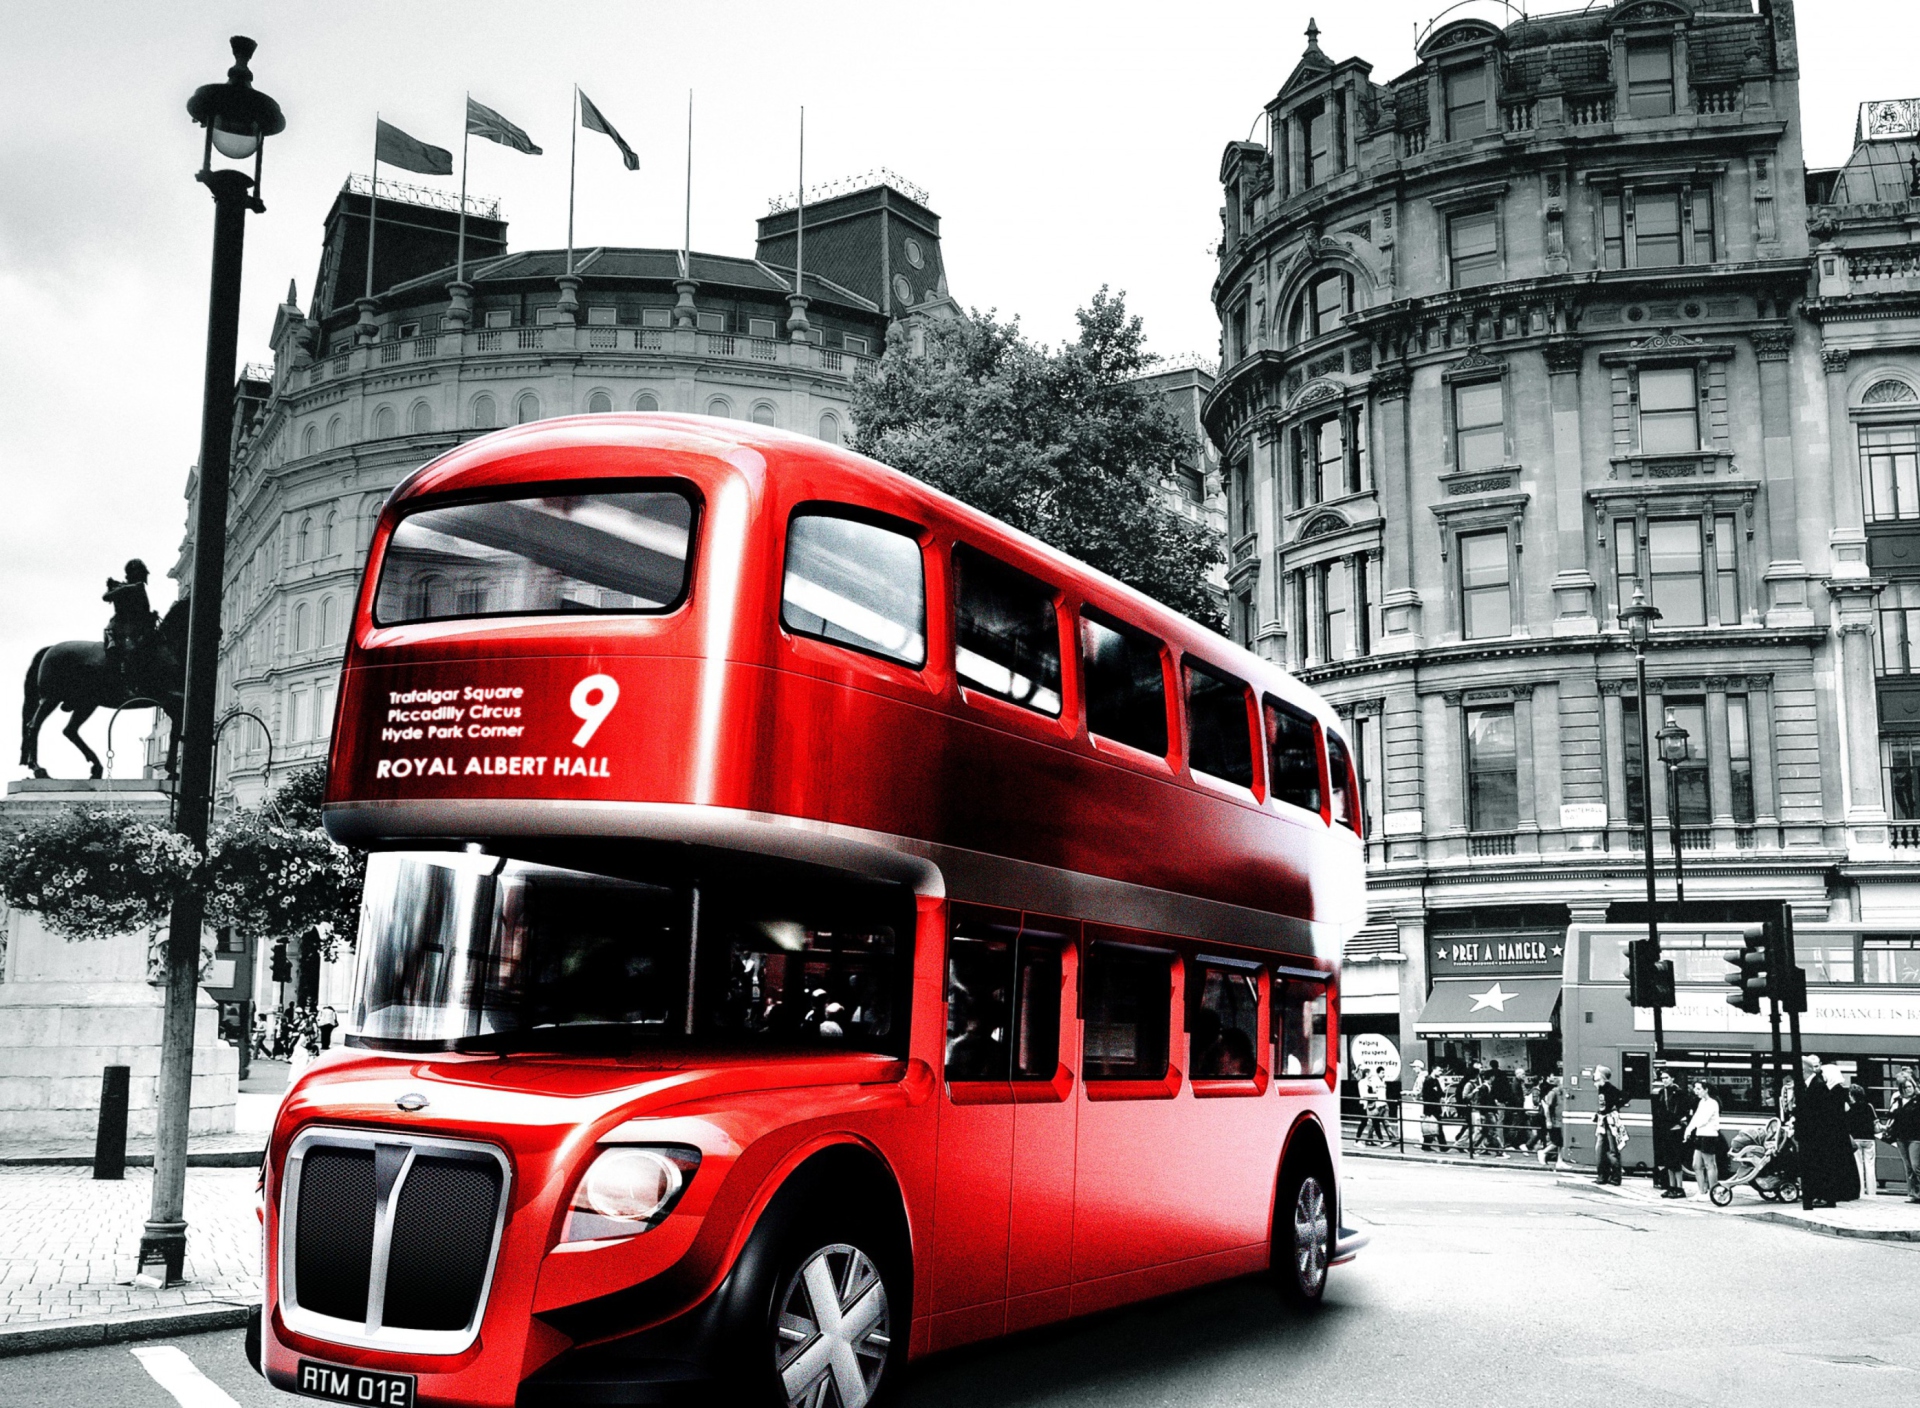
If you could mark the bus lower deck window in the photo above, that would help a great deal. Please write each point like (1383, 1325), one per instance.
(1225, 1025)
(1003, 1002)
(856, 584)
(1300, 1027)
(1128, 996)
(1006, 636)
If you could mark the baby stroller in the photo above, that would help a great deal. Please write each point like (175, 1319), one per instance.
(1768, 1161)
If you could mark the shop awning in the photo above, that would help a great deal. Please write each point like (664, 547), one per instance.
(1489, 1007)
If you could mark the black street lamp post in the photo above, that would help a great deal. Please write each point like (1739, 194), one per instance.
(1673, 752)
(238, 119)
(1639, 617)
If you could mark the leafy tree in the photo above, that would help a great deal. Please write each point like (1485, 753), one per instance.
(1064, 444)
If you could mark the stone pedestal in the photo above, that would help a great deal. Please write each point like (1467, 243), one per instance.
(70, 1007)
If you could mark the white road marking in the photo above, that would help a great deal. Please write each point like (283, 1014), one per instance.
(175, 1373)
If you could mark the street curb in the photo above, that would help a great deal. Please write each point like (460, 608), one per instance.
(212, 1158)
(88, 1332)
(1781, 1219)
(1347, 1151)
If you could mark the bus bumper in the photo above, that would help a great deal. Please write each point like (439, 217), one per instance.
(1347, 1246)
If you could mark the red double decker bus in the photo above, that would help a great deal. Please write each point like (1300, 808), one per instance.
(809, 925)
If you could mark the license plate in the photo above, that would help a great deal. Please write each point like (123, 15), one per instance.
(369, 1387)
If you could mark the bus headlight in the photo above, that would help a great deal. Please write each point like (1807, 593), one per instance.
(628, 1189)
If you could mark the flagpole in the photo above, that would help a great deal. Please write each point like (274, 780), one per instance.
(573, 165)
(686, 237)
(800, 211)
(460, 259)
(373, 199)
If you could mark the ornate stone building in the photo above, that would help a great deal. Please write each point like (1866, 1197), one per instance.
(363, 390)
(1507, 338)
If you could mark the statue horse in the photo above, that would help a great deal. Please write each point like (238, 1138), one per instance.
(77, 676)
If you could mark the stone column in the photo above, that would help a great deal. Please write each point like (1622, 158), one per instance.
(1573, 588)
(1525, 780)
(1399, 602)
(1766, 809)
(1613, 716)
(1853, 600)
(1719, 764)
(1452, 752)
(1785, 603)
(1848, 539)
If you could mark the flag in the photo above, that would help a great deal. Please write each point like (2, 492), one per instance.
(483, 121)
(396, 148)
(592, 119)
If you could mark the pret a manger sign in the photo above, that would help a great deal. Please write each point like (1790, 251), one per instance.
(456, 729)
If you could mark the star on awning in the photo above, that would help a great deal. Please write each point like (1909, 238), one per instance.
(1495, 997)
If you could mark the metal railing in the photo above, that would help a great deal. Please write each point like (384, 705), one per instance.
(1477, 1131)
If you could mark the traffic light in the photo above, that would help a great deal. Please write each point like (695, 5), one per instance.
(1752, 971)
(282, 971)
(1649, 981)
(1788, 981)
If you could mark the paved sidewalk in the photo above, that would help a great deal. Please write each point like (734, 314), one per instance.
(68, 1244)
(1885, 1218)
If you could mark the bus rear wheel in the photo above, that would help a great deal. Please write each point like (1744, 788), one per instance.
(1304, 1244)
(838, 1327)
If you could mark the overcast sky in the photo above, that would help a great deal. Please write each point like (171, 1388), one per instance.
(1064, 146)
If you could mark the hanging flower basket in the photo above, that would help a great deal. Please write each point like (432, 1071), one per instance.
(93, 873)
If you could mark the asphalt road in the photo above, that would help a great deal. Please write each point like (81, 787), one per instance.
(1481, 1287)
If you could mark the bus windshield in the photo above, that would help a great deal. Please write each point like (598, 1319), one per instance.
(600, 552)
(460, 950)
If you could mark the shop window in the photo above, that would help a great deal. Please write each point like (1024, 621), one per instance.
(855, 584)
(1293, 755)
(1124, 684)
(1669, 411)
(1300, 1027)
(1473, 247)
(1486, 585)
(1479, 426)
(1493, 790)
(1129, 1010)
(1224, 1024)
(1466, 102)
(1650, 78)
(1006, 637)
(1890, 467)
(1219, 739)
(1740, 758)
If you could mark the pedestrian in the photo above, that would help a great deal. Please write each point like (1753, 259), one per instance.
(1609, 1127)
(326, 1022)
(1553, 1106)
(1827, 1171)
(1433, 1099)
(1903, 1131)
(1670, 1116)
(1536, 1117)
(1486, 1116)
(1373, 1107)
(1703, 1136)
(1862, 1122)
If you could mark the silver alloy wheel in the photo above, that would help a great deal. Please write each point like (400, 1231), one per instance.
(1310, 1234)
(835, 1330)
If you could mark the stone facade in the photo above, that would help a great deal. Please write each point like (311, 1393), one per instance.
(1519, 332)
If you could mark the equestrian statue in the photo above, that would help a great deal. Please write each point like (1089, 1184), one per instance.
(142, 657)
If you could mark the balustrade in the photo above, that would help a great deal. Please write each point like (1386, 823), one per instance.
(1584, 112)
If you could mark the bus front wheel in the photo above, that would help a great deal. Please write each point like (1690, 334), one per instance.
(839, 1321)
(1303, 1245)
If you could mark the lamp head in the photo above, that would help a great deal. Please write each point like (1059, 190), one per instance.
(238, 117)
(1673, 741)
(1639, 617)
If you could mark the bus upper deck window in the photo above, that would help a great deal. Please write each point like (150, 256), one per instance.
(1293, 755)
(1340, 785)
(1219, 738)
(1006, 637)
(562, 553)
(1124, 684)
(856, 584)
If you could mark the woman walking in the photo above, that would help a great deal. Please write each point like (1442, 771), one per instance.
(1903, 1132)
(1704, 1137)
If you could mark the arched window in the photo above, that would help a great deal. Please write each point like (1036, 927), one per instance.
(384, 423)
(301, 537)
(427, 597)
(830, 428)
(326, 620)
(420, 419)
(326, 533)
(762, 413)
(719, 406)
(646, 401)
(527, 408)
(310, 441)
(300, 641)
(1322, 307)
(333, 433)
(483, 412)
(599, 403)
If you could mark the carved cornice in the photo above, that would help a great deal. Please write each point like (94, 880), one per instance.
(1772, 344)
(1835, 359)
(1564, 357)
(1392, 382)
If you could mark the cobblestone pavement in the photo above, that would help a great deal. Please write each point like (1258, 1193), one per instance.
(68, 1244)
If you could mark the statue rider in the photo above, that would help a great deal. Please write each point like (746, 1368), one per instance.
(134, 621)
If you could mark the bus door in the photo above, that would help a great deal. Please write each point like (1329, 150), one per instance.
(1040, 1243)
(1136, 1174)
(973, 1177)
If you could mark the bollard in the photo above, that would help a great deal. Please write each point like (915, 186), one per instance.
(110, 1140)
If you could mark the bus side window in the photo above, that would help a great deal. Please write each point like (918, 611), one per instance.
(1129, 992)
(855, 584)
(1124, 683)
(1003, 1003)
(1219, 739)
(1006, 635)
(1300, 1027)
(1036, 1043)
(1346, 807)
(1293, 755)
(1224, 1026)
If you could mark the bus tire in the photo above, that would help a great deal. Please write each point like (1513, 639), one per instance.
(1303, 1233)
(837, 1310)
